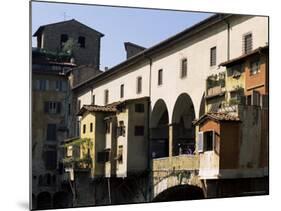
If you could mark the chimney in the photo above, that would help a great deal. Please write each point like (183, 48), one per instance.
(132, 49)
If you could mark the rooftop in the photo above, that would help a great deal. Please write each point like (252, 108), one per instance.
(217, 116)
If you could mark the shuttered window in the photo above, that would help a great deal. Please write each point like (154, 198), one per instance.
(213, 56)
(247, 43)
(200, 142)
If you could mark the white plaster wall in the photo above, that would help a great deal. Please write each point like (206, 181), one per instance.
(197, 51)
(129, 80)
(258, 26)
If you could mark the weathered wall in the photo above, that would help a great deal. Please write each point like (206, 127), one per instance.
(88, 55)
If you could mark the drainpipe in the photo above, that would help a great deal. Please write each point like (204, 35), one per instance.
(228, 39)
(148, 132)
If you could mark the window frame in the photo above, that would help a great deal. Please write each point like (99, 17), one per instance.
(183, 69)
(213, 56)
(82, 41)
(106, 96)
(122, 91)
(139, 85)
(160, 77)
(245, 45)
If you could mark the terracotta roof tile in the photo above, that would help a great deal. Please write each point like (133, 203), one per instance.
(218, 116)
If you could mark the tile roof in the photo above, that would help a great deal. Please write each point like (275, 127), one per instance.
(245, 56)
(217, 116)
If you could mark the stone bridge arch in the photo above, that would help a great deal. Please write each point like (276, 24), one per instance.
(170, 184)
(180, 192)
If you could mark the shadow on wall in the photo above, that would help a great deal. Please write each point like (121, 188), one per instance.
(180, 193)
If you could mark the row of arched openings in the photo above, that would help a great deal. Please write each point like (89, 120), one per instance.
(181, 128)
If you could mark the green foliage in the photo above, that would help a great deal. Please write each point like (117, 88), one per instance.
(56, 56)
(70, 46)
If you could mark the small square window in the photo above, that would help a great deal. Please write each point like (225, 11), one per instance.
(139, 107)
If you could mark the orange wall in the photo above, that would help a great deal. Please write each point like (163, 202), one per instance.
(258, 79)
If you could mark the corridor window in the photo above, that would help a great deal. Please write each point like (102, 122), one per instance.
(247, 43)
(122, 91)
(213, 56)
(93, 99)
(91, 127)
(106, 94)
(183, 68)
(139, 85)
(160, 77)
(120, 155)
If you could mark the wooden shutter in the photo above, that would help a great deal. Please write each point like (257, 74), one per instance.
(200, 142)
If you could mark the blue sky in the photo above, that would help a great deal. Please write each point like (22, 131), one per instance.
(144, 27)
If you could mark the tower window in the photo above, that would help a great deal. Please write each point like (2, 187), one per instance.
(81, 41)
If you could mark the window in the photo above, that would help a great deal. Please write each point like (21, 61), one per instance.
(78, 105)
(81, 41)
(255, 67)
(63, 39)
(60, 85)
(248, 43)
(121, 129)
(139, 85)
(84, 128)
(213, 56)
(106, 93)
(206, 141)
(107, 126)
(139, 107)
(91, 127)
(69, 151)
(139, 130)
(93, 99)
(122, 91)
(209, 137)
(120, 155)
(52, 107)
(249, 100)
(69, 108)
(183, 68)
(50, 159)
(51, 132)
(160, 77)
(103, 156)
(42, 85)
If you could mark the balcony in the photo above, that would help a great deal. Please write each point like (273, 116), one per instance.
(215, 85)
(77, 154)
